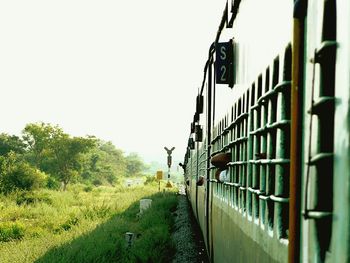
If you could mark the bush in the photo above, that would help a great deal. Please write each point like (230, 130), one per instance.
(66, 226)
(150, 180)
(12, 231)
(97, 211)
(87, 188)
(155, 224)
(97, 182)
(31, 198)
(53, 184)
(17, 174)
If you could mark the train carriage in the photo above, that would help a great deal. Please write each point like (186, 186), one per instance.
(283, 118)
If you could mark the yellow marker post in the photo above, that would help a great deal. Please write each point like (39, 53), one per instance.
(159, 176)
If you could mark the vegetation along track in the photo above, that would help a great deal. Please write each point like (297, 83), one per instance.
(80, 226)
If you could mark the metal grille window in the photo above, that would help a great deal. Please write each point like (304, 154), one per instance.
(216, 143)
(258, 137)
(202, 161)
(237, 146)
(283, 147)
(250, 152)
(269, 184)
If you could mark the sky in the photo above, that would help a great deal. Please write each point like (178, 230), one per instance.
(126, 71)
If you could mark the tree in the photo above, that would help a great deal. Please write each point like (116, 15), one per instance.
(55, 152)
(11, 143)
(134, 164)
(67, 155)
(37, 137)
(17, 174)
(113, 157)
(103, 164)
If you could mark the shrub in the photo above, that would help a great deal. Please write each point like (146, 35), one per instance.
(154, 244)
(52, 183)
(87, 188)
(31, 198)
(70, 223)
(17, 174)
(150, 180)
(97, 182)
(66, 225)
(97, 211)
(11, 231)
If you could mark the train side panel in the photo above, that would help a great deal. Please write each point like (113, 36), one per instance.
(246, 217)
(249, 221)
(341, 221)
(237, 239)
(326, 170)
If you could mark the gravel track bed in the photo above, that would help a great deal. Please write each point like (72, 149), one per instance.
(188, 240)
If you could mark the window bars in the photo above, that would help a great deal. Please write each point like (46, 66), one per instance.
(257, 133)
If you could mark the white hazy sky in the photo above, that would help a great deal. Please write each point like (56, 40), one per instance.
(124, 71)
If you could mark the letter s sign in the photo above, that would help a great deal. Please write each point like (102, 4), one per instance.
(223, 52)
(224, 63)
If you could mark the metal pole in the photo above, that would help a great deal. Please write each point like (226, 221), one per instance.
(300, 9)
(208, 196)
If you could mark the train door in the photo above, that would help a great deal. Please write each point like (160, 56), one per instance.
(318, 137)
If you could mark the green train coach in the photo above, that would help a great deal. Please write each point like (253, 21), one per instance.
(267, 165)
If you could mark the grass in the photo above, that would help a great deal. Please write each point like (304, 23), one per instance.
(85, 225)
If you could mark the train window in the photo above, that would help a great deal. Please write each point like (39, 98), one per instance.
(271, 146)
(250, 152)
(319, 174)
(232, 114)
(275, 75)
(262, 155)
(287, 67)
(281, 194)
(267, 79)
(259, 86)
(257, 134)
(252, 100)
(243, 159)
(256, 151)
(247, 102)
(268, 148)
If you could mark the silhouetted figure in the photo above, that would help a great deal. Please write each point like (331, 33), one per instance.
(183, 166)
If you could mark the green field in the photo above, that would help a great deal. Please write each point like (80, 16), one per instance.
(86, 224)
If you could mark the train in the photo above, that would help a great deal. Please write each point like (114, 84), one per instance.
(267, 162)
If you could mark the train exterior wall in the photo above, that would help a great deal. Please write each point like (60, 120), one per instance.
(341, 222)
(326, 238)
(239, 226)
(246, 217)
(238, 239)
